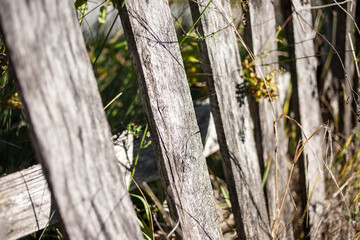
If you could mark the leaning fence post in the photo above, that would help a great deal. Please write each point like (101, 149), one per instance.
(229, 105)
(68, 126)
(260, 35)
(307, 110)
(165, 94)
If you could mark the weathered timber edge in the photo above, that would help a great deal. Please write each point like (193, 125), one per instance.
(167, 103)
(306, 100)
(25, 200)
(229, 105)
(261, 39)
(67, 123)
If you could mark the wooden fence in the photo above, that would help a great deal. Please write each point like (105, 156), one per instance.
(73, 143)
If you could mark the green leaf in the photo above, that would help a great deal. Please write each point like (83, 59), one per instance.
(80, 3)
(266, 172)
(147, 144)
(347, 143)
(226, 196)
(102, 15)
(146, 236)
(114, 3)
(82, 7)
(147, 213)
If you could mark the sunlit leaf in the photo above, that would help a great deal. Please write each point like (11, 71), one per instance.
(102, 15)
(80, 3)
(114, 3)
(82, 7)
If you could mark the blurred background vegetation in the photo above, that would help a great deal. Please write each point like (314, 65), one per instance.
(108, 53)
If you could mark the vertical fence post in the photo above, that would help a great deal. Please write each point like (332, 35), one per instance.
(229, 106)
(342, 63)
(307, 110)
(165, 94)
(356, 80)
(350, 71)
(68, 126)
(260, 35)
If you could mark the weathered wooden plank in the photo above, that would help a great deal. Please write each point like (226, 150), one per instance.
(339, 73)
(1, 233)
(260, 36)
(342, 65)
(147, 170)
(166, 98)
(350, 71)
(68, 126)
(307, 109)
(38, 207)
(221, 61)
(25, 202)
(356, 80)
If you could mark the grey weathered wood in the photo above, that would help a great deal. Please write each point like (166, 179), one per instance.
(356, 80)
(147, 170)
(229, 105)
(36, 208)
(339, 73)
(342, 65)
(153, 45)
(68, 126)
(1, 233)
(350, 73)
(25, 202)
(307, 110)
(261, 38)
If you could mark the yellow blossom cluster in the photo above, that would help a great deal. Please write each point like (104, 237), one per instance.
(255, 86)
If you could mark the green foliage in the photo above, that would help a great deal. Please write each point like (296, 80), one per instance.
(4, 62)
(144, 217)
(266, 173)
(102, 15)
(115, 75)
(52, 232)
(196, 79)
(9, 98)
(346, 165)
(196, 21)
(114, 3)
(282, 47)
(82, 7)
(15, 147)
(43, 232)
(143, 145)
(80, 3)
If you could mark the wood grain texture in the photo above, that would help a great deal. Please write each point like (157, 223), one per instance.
(261, 37)
(342, 65)
(350, 71)
(307, 110)
(229, 105)
(68, 126)
(165, 94)
(22, 214)
(147, 170)
(25, 200)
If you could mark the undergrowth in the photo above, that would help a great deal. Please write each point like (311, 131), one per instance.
(117, 85)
